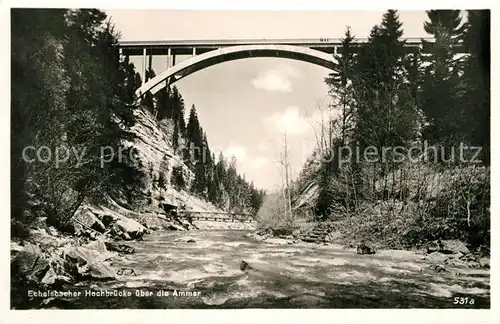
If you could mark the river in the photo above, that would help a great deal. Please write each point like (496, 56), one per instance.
(205, 266)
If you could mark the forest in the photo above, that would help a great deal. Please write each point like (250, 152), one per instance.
(423, 116)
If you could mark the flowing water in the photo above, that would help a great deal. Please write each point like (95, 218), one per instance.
(202, 269)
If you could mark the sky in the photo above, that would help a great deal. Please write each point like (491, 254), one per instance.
(246, 106)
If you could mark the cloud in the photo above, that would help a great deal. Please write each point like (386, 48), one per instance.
(277, 79)
(289, 121)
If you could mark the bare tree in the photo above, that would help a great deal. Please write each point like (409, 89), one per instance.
(285, 163)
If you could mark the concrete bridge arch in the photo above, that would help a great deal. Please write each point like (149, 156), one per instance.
(226, 54)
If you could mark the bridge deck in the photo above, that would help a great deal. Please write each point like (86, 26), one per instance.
(263, 41)
(185, 47)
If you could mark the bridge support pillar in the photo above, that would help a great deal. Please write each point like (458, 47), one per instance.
(150, 63)
(143, 65)
(169, 57)
(194, 51)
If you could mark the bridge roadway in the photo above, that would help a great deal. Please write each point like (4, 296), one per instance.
(196, 47)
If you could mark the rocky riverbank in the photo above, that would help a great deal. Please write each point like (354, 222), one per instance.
(442, 255)
(320, 233)
(49, 258)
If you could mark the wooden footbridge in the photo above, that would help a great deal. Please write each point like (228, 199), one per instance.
(201, 215)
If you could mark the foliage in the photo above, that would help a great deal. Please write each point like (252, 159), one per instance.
(70, 92)
(177, 178)
(387, 97)
(459, 209)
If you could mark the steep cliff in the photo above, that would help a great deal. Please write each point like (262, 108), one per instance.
(155, 154)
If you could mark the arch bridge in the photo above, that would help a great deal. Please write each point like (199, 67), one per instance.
(206, 53)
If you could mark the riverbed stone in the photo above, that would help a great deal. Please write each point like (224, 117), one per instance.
(126, 272)
(244, 266)
(121, 248)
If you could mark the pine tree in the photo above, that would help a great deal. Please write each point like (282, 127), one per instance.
(176, 109)
(476, 99)
(194, 137)
(162, 182)
(340, 82)
(441, 87)
(148, 100)
(179, 112)
(447, 29)
(386, 114)
(221, 176)
(132, 79)
(177, 178)
(175, 137)
(162, 101)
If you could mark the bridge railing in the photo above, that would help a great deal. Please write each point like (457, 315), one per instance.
(173, 210)
(212, 215)
(229, 42)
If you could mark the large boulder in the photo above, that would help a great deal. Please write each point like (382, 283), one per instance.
(29, 263)
(52, 278)
(88, 263)
(454, 246)
(362, 248)
(484, 262)
(436, 257)
(131, 227)
(333, 236)
(58, 272)
(86, 217)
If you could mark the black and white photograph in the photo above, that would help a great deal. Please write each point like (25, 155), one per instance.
(249, 159)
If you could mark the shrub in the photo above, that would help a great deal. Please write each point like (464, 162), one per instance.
(458, 210)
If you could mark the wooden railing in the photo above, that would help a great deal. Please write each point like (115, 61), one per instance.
(202, 215)
(190, 214)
